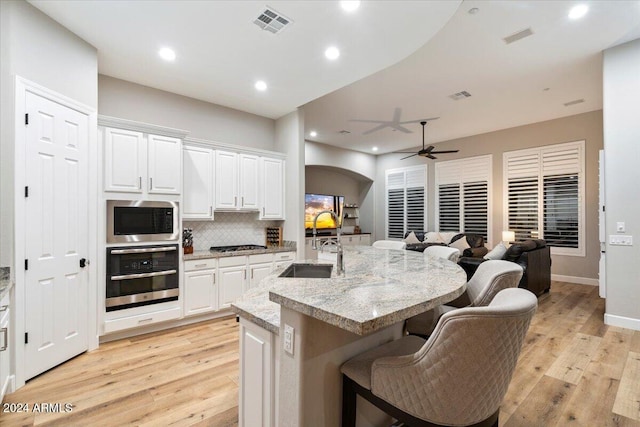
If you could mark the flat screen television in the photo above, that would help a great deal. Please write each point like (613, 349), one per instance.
(314, 203)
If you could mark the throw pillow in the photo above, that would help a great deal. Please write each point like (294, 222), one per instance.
(497, 252)
(461, 244)
(446, 236)
(411, 239)
(432, 237)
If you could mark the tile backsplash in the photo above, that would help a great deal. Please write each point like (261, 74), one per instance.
(229, 228)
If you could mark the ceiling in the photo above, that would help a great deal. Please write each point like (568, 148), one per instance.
(400, 60)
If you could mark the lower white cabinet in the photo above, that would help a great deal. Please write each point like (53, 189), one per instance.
(141, 316)
(283, 258)
(258, 376)
(5, 351)
(232, 272)
(200, 287)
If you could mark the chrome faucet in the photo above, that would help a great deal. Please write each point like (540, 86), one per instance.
(314, 242)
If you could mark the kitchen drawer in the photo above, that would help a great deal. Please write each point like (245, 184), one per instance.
(200, 264)
(284, 256)
(260, 258)
(232, 261)
(141, 320)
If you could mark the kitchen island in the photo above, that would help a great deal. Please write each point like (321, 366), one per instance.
(331, 320)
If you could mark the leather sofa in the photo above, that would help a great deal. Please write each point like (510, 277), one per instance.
(476, 247)
(533, 256)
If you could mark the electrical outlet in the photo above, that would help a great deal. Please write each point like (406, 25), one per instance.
(288, 339)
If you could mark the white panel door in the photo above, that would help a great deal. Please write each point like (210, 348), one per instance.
(200, 294)
(226, 180)
(124, 160)
(197, 192)
(248, 182)
(56, 234)
(165, 163)
(272, 183)
(232, 283)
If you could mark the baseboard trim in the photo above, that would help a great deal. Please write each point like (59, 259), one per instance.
(621, 321)
(575, 279)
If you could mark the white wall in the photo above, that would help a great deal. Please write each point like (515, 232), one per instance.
(126, 100)
(39, 49)
(326, 155)
(290, 140)
(621, 81)
(587, 126)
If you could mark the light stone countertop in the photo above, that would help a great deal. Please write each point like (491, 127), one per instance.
(5, 281)
(212, 254)
(380, 288)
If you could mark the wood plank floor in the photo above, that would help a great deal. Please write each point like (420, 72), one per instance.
(573, 371)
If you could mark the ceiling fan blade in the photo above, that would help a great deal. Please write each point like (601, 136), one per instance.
(368, 121)
(375, 129)
(400, 128)
(430, 156)
(429, 148)
(404, 152)
(444, 152)
(418, 121)
(414, 154)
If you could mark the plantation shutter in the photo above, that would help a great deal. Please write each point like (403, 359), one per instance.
(463, 195)
(405, 200)
(545, 188)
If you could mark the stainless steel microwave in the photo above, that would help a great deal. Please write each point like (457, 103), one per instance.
(142, 221)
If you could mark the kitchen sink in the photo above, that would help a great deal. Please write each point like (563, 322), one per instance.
(316, 271)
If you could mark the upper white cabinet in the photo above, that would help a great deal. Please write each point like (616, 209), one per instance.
(272, 188)
(141, 158)
(198, 164)
(236, 181)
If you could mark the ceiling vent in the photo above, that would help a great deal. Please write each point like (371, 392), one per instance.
(518, 36)
(272, 21)
(577, 101)
(344, 132)
(460, 95)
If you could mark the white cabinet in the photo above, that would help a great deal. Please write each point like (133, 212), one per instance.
(200, 288)
(197, 199)
(283, 258)
(232, 272)
(257, 272)
(272, 188)
(137, 162)
(236, 181)
(5, 351)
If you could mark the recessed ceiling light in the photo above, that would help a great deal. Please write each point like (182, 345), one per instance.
(167, 54)
(261, 86)
(350, 5)
(473, 11)
(578, 11)
(332, 53)
(313, 134)
(374, 149)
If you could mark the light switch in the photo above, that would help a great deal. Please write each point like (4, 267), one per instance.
(620, 240)
(620, 227)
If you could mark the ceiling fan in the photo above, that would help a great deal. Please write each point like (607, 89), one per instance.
(426, 152)
(394, 123)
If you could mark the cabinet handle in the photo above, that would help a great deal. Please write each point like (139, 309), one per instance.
(242, 201)
(245, 274)
(150, 183)
(263, 211)
(145, 320)
(140, 182)
(210, 210)
(252, 273)
(214, 278)
(5, 339)
(201, 265)
(3, 308)
(235, 200)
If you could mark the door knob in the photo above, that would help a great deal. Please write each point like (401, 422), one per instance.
(83, 262)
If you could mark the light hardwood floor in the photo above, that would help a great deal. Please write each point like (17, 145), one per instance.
(573, 371)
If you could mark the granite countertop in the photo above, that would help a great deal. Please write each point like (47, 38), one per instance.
(381, 287)
(213, 254)
(5, 281)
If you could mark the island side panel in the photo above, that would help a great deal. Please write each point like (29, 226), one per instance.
(310, 382)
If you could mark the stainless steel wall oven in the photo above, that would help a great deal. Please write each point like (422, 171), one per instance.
(141, 221)
(141, 275)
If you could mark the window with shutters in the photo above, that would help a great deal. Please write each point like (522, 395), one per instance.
(462, 195)
(544, 196)
(405, 189)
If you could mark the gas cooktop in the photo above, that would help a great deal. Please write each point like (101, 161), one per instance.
(235, 248)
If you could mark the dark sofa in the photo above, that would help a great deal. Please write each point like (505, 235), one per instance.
(533, 256)
(475, 241)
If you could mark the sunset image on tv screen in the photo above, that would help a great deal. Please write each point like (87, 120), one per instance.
(315, 203)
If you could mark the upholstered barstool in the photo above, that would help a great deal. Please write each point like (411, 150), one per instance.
(491, 277)
(452, 254)
(389, 244)
(458, 377)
